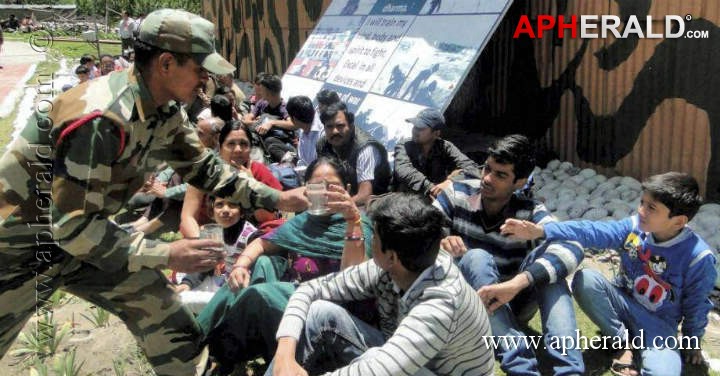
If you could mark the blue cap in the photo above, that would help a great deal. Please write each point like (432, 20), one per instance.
(428, 118)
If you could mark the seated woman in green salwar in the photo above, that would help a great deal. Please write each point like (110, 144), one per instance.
(241, 320)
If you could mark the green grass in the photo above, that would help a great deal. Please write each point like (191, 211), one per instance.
(69, 50)
(44, 68)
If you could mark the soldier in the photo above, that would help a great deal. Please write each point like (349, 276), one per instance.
(79, 160)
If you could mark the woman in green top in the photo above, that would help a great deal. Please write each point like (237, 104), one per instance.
(241, 320)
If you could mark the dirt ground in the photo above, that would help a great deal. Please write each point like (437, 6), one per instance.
(98, 348)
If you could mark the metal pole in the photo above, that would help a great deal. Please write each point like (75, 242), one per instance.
(97, 40)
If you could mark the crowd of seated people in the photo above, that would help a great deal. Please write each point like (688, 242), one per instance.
(422, 255)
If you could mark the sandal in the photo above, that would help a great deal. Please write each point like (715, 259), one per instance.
(623, 369)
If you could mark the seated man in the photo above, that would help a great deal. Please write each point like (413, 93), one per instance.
(107, 64)
(505, 270)
(276, 129)
(425, 163)
(211, 111)
(431, 320)
(227, 80)
(208, 131)
(366, 157)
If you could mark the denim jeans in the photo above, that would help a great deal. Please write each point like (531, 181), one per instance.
(516, 356)
(615, 311)
(333, 338)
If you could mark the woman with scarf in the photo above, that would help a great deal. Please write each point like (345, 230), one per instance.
(241, 320)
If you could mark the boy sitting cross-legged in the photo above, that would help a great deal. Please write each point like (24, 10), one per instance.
(667, 273)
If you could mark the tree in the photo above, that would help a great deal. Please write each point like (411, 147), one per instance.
(135, 7)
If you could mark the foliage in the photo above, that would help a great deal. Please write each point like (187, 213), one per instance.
(43, 339)
(58, 298)
(98, 317)
(135, 7)
(119, 367)
(170, 236)
(65, 365)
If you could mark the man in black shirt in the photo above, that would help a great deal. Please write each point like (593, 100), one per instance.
(425, 163)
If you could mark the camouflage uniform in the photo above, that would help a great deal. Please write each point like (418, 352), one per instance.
(56, 197)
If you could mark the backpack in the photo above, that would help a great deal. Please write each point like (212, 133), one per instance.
(286, 175)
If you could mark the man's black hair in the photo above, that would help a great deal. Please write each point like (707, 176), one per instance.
(223, 90)
(144, 53)
(259, 78)
(327, 97)
(407, 224)
(220, 107)
(301, 108)
(81, 69)
(515, 150)
(272, 83)
(332, 110)
(678, 191)
(86, 59)
(333, 162)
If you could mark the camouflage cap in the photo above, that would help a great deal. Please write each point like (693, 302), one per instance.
(179, 31)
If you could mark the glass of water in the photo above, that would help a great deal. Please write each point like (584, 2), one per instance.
(214, 232)
(318, 199)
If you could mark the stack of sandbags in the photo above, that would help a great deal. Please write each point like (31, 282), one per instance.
(573, 193)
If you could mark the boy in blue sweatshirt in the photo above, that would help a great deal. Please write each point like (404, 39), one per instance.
(667, 274)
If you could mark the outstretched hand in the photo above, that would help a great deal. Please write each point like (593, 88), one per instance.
(454, 245)
(293, 200)
(194, 255)
(496, 295)
(524, 230)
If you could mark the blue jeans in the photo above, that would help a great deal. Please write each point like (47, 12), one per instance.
(516, 356)
(333, 338)
(614, 312)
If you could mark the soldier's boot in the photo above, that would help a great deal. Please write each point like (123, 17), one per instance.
(164, 329)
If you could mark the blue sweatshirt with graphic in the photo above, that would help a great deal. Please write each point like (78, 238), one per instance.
(673, 279)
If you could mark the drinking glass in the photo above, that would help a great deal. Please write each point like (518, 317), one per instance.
(318, 199)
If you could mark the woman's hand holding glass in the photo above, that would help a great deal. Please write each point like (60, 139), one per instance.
(340, 201)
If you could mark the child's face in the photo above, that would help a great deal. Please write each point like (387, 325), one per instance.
(655, 218)
(225, 213)
(83, 77)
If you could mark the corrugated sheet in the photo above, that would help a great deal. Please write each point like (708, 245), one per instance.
(645, 112)
(676, 134)
(262, 35)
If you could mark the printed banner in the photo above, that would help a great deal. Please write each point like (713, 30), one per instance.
(389, 59)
